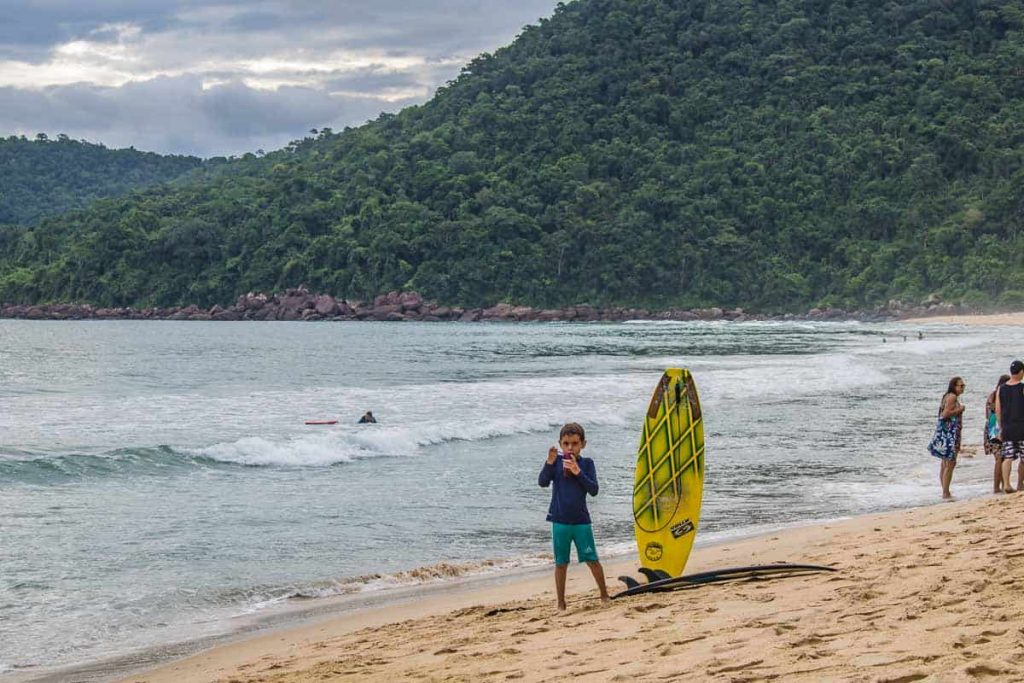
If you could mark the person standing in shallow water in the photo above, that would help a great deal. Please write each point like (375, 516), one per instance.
(994, 443)
(1010, 409)
(945, 445)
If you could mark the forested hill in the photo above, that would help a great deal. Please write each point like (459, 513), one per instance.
(650, 152)
(44, 177)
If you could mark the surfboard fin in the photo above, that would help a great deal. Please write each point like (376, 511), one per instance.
(651, 574)
(654, 574)
(630, 582)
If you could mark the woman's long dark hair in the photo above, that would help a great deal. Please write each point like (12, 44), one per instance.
(1003, 379)
(951, 389)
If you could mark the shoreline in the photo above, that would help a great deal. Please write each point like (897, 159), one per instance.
(288, 616)
(301, 305)
(889, 585)
(326, 309)
(301, 613)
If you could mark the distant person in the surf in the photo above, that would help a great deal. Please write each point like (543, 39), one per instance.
(367, 418)
(994, 443)
(945, 444)
(1010, 410)
(571, 477)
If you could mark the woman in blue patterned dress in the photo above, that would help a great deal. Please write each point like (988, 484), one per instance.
(945, 445)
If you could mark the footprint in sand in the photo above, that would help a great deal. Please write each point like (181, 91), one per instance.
(907, 678)
(984, 671)
(736, 667)
(649, 607)
(687, 640)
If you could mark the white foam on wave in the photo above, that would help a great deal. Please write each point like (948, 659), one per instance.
(310, 451)
(721, 379)
(467, 412)
(914, 491)
(420, 417)
(442, 572)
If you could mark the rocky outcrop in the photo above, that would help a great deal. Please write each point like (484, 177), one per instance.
(301, 305)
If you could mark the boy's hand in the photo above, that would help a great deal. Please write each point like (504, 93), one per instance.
(571, 466)
(552, 455)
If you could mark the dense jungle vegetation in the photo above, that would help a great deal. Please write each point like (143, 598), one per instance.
(768, 154)
(44, 177)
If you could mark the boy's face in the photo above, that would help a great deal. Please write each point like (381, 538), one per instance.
(572, 443)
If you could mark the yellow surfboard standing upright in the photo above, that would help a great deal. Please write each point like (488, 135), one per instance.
(669, 481)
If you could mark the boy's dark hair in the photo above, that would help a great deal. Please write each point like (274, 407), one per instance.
(573, 428)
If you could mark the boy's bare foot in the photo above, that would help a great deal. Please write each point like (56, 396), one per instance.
(605, 600)
(561, 607)
(1009, 490)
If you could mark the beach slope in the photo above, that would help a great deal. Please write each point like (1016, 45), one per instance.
(931, 593)
(992, 319)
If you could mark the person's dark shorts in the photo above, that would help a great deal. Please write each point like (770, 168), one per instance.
(1013, 450)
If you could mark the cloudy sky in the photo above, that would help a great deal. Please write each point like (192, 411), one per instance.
(211, 77)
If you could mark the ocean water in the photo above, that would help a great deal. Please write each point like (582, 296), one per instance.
(157, 482)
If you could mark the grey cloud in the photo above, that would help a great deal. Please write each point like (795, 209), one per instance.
(372, 79)
(175, 115)
(30, 27)
(448, 26)
(256, 21)
(397, 24)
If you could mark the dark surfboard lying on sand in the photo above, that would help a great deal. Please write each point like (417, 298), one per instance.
(658, 584)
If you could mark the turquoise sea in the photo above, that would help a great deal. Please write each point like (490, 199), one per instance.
(158, 485)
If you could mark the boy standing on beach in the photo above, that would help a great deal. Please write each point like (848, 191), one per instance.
(573, 477)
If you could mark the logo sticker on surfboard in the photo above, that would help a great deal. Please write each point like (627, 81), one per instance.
(654, 551)
(682, 528)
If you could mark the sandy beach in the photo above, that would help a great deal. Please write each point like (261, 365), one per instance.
(994, 319)
(932, 593)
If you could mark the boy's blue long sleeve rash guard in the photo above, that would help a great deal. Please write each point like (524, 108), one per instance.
(569, 493)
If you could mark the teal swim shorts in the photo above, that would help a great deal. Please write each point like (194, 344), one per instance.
(564, 535)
